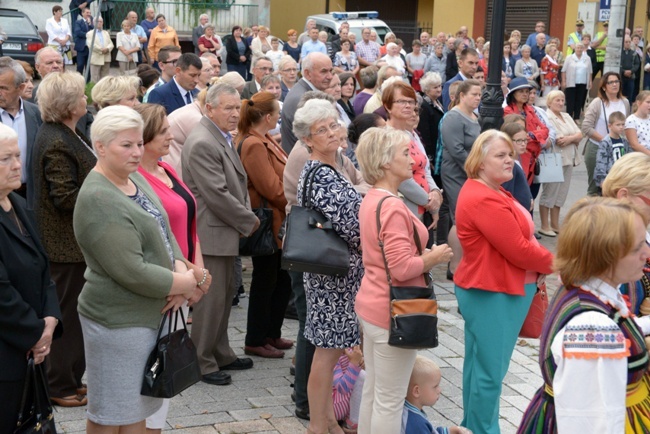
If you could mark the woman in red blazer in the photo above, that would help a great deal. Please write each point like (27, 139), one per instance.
(496, 278)
(264, 161)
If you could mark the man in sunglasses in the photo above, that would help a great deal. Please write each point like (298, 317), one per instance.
(167, 57)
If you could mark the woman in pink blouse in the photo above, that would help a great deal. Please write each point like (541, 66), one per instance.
(386, 162)
(179, 205)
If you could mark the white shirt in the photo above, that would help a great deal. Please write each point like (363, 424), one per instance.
(17, 123)
(590, 381)
(183, 92)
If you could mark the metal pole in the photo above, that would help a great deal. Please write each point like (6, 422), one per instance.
(615, 35)
(92, 42)
(491, 110)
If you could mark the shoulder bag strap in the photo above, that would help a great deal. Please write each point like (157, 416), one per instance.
(416, 238)
(605, 116)
(308, 181)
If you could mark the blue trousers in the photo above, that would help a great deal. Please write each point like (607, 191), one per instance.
(492, 324)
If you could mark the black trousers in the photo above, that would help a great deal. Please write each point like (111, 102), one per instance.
(269, 295)
(66, 363)
(575, 100)
(304, 349)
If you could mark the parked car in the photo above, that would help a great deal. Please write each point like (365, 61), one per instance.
(23, 39)
(358, 20)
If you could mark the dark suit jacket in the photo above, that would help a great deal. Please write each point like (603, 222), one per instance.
(33, 122)
(215, 175)
(452, 66)
(250, 89)
(197, 32)
(81, 28)
(169, 96)
(60, 165)
(27, 294)
(445, 90)
(232, 52)
(288, 111)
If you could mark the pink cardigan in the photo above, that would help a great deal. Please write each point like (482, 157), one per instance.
(406, 267)
(175, 206)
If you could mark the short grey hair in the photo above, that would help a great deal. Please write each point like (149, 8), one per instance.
(7, 133)
(8, 64)
(524, 47)
(209, 26)
(286, 61)
(112, 121)
(203, 16)
(376, 148)
(308, 62)
(430, 79)
(58, 95)
(457, 43)
(261, 58)
(216, 91)
(314, 110)
(315, 94)
(232, 78)
(37, 57)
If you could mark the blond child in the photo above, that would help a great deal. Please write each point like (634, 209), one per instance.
(424, 390)
(275, 54)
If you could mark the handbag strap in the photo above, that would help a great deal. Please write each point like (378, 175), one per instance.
(308, 182)
(416, 238)
(43, 403)
(605, 116)
(29, 381)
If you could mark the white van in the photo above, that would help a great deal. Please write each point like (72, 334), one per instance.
(358, 20)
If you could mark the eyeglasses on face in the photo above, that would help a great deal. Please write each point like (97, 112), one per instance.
(334, 127)
(405, 102)
(614, 82)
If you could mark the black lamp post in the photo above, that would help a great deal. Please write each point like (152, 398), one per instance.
(491, 110)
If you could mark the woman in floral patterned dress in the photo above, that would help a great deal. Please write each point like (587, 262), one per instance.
(331, 324)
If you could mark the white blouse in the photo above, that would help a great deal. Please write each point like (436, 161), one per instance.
(57, 30)
(590, 381)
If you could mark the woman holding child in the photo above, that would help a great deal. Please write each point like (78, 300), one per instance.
(496, 278)
(386, 162)
(593, 357)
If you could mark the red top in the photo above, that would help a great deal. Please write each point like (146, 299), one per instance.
(175, 206)
(496, 241)
(421, 164)
(537, 136)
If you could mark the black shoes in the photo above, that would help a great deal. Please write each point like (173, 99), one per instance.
(302, 413)
(238, 365)
(218, 378)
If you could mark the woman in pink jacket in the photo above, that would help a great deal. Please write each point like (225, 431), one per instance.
(386, 162)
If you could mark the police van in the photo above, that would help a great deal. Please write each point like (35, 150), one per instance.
(358, 20)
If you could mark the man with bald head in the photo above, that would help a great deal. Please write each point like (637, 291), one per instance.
(426, 47)
(316, 75)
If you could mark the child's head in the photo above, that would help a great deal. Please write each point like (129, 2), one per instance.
(616, 124)
(424, 385)
(322, 36)
(275, 43)
(517, 134)
(642, 104)
(515, 117)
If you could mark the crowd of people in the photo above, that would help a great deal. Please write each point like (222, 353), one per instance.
(387, 146)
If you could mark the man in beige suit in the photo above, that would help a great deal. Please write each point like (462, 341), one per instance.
(100, 56)
(215, 175)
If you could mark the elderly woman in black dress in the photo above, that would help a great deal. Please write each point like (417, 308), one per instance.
(29, 308)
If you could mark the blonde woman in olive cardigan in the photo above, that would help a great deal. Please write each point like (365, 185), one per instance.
(135, 273)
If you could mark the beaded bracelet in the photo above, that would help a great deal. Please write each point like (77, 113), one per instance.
(205, 277)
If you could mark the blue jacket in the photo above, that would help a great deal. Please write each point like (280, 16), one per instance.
(445, 90)
(169, 96)
(79, 34)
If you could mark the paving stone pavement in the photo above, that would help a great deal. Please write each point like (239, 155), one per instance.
(259, 400)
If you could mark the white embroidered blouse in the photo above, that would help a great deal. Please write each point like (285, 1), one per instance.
(590, 381)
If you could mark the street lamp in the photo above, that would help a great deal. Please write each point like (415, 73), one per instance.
(491, 109)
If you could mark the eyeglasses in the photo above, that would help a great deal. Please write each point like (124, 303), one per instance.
(290, 70)
(614, 82)
(170, 61)
(265, 69)
(334, 127)
(405, 102)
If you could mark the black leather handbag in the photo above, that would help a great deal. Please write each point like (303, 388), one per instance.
(262, 241)
(310, 244)
(35, 414)
(413, 309)
(173, 365)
